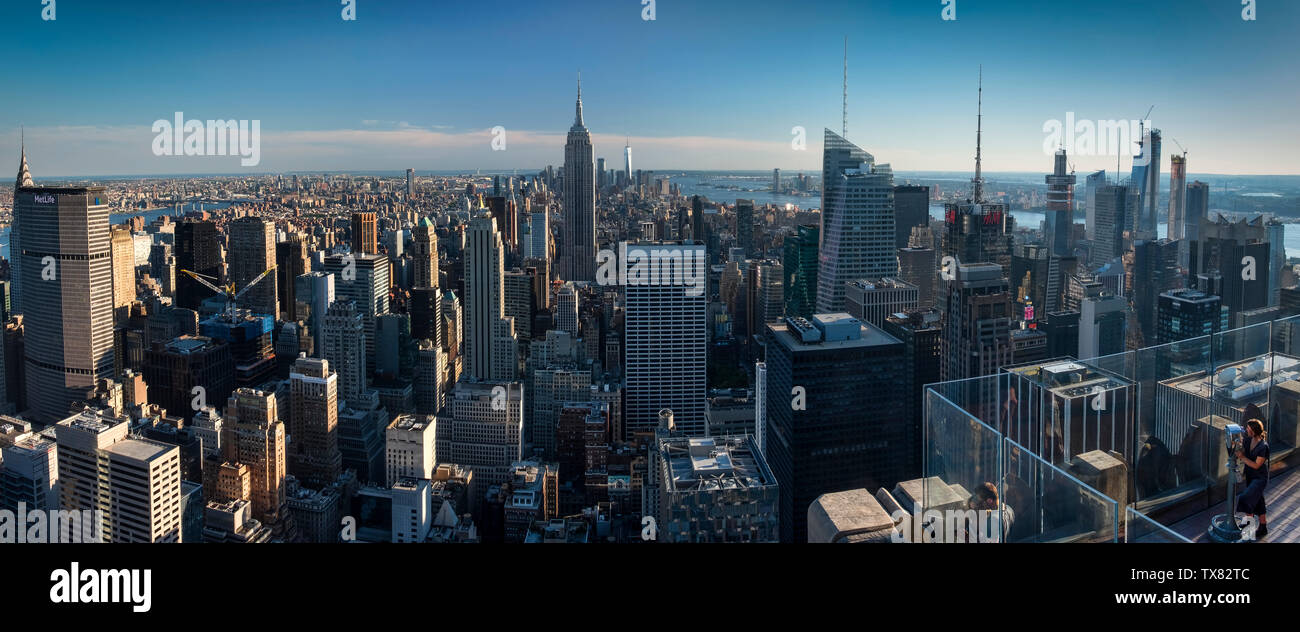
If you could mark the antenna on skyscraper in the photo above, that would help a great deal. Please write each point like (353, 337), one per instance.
(844, 131)
(978, 181)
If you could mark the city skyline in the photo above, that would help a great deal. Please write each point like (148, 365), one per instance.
(365, 101)
(833, 346)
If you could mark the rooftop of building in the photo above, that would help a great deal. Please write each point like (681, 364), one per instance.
(830, 331)
(29, 443)
(413, 423)
(714, 463)
(190, 344)
(141, 449)
(1191, 295)
(881, 284)
(560, 530)
(1240, 383)
(91, 420)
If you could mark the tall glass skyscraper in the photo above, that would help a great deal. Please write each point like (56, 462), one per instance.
(578, 254)
(800, 267)
(857, 231)
(1060, 208)
(1146, 180)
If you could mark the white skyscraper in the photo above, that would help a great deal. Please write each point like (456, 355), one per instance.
(566, 309)
(627, 160)
(135, 483)
(409, 448)
(489, 334)
(665, 344)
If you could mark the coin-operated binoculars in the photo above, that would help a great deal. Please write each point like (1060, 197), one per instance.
(1223, 527)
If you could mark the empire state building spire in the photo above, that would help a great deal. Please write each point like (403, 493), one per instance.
(577, 120)
(577, 245)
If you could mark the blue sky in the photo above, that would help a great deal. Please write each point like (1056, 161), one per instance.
(708, 84)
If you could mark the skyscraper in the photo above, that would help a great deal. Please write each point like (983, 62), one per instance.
(911, 209)
(252, 252)
(425, 254)
(766, 296)
(1185, 314)
(313, 294)
(313, 425)
(486, 357)
(977, 231)
(857, 229)
(539, 236)
(566, 309)
(578, 247)
(29, 473)
(485, 430)
(342, 344)
(745, 226)
(874, 300)
(292, 260)
(24, 179)
(825, 432)
(362, 279)
(1154, 271)
(365, 236)
(917, 265)
(1094, 181)
(409, 447)
(1198, 211)
(976, 322)
(627, 160)
(1232, 260)
(123, 271)
(1177, 197)
(62, 249)
(1060, 208)
(665, 343)
(1146, 178)
(1103, 325)
(256, 437)
(135, 482)
(800, 268)
(1114, 205)
(197, 250)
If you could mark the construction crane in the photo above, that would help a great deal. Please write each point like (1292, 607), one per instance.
(229, 290)
(1180, 146)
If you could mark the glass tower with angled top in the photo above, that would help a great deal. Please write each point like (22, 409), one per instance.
(857, 230)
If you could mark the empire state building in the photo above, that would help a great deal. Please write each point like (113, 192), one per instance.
(578, 240)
